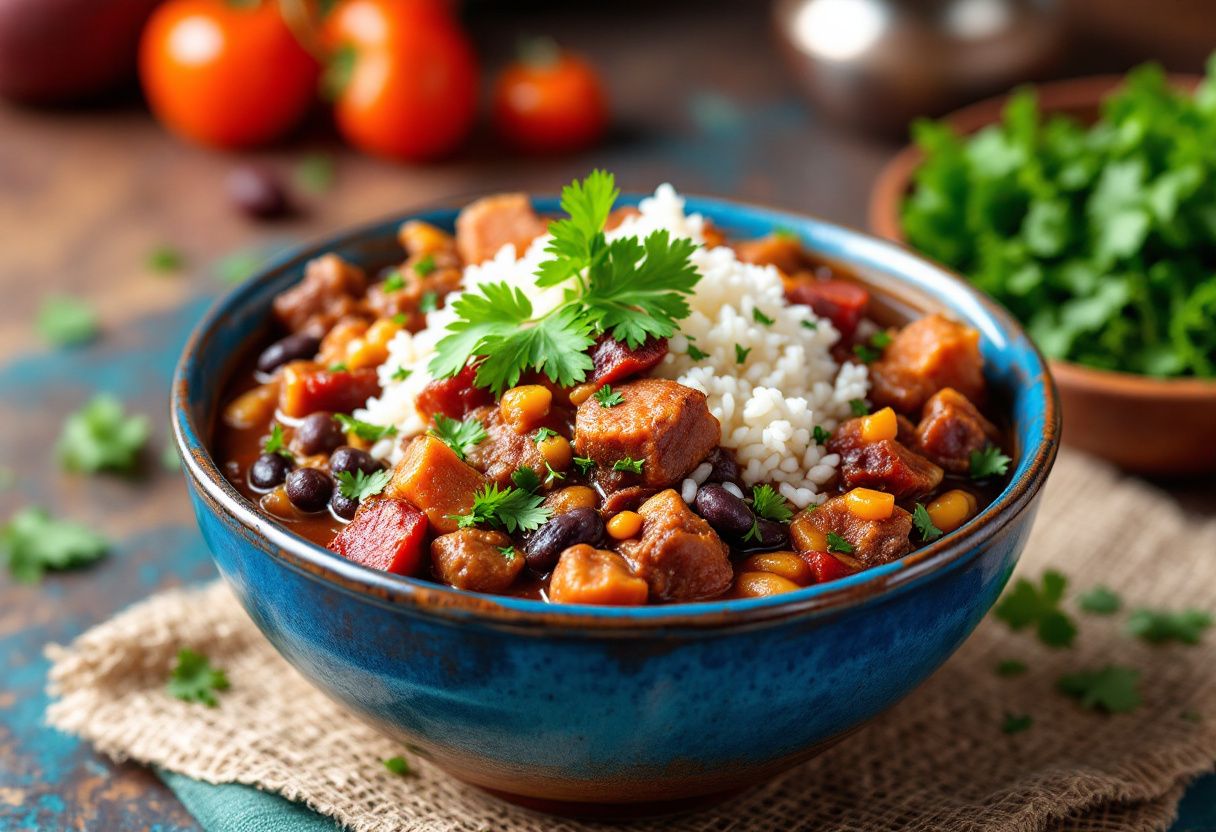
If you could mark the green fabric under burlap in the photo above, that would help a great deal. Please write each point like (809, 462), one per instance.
(937, 761)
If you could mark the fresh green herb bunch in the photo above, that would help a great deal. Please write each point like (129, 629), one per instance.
(1101, 239)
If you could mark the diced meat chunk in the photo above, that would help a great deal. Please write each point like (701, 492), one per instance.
(781, 250)
(615, 361)
(307, 388)
(488, 224)
(331, 289)
(665, 424)
(504, 450)
(886, 465)
(840, 301)
(433, 478)
(473, 559)
(385, 534)
(586, 575)
(951, 429)
(678, 555)
(926, 355)
(627, 499)
(454, 397)
(874, 542)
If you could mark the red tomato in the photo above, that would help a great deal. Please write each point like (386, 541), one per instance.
(825, 566)
(550, 104)
(224, 74)
(411, 91)
(386, 534)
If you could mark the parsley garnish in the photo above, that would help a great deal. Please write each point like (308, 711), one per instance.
(770, 505)
(359, 485)
(425, 265)
(696, 354)
(193, 679)
(634, 290)
(429, 302)
(526, 479)
(65, 321)
(400, 374)
(838, 544)
(1101, 601)
(821, 436)
(338, 367)
(32, 542)
(760, 318)
(1161, 626)
(553, 475)
(584, 464)
(101, 437)
(1112, 689)
(275, 444)
(628, 464)
(542, 434)
(1016, 723)
(395, 282)
(1010, 667)
(607, 397)
(1027, 604)
(165, 259)
(753, 533)
(397, 765)
(880, 340)
(400, 319)
(508, 552)
(741, 354)
(924, 524)
(989, 462)
(512, 509)
(858, 407)
(364, 430)
(808, 324)
(865, 353)
(460, 436)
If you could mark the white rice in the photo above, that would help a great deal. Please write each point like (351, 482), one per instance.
(768, 405)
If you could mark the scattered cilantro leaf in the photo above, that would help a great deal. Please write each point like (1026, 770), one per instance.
(1016, 723)
(1101, 601)
(1161, 626)
(881, 339)
(924, 524)
(607, 397)
(696, 354)
(542, 434)
(838, 544)
(424, 265)
(314, 173)
(1113, 689)
(820, 435)
(769, 504)
(512, 509)
(741, 354)
(193, 679)
(553, 475)
(989, 462)
(429, 302)
(809, 324)
(400, 319)
(584, 464)
(394, 282)
(858, 407)
(165, 259)
(401, 374)
(865, 353)
(102, 437)
(169, 459)
(66, 321)
(628, 464)
(338, 367)
(359, 485)
(364, 430)
(275, 443)
(32, 542)
(238, 266)
(398, 766)
(1010, 667)
(760, 318)
(508, 552)
(460, 436)
(1026, 605)
(526, 479)
(753, 533)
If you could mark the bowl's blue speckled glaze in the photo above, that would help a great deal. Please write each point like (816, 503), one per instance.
(577, 707)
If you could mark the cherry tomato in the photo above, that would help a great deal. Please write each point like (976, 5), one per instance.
(410, 85)
(551, 101)
(225, 74)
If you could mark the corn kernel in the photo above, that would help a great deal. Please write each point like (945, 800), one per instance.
(525, 406)
(419, 238)
(253, 407)
(382, 331)
(624, 525)
(336, 342)
(786, 564)
(278, 503)
(879, 425)
(806, 536)
(361, 353)
(557, 452)
(582, 392)
(868, 504)
(762, 584)
(572, 497)
(952, 509)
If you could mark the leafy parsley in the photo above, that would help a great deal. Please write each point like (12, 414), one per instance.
(460, 436)
(275, 443)
(809, 324)
(760, 318)
(429, 302)
(607, 397)
(1016, 723)
(359, 486)
(400, 319)
(1010, 667)
(838, 544)
(395, 282)
(193, 679)
(512, 509)
(634, 290)
(165, 259)
(871, 351)
(695, 354)
(989, 462)
(526, 479)
(32, 542)
(1101, 601)
(1027, 605)
(425, 265)
(1161, 626)
(66, 322)
(401, 374)
(542, 434)
(1112, 689)
(858, 407)
(364, 430)
(338, 367)
(881, 340)
(741, 354)
(102, 437)
(769, 504)
(398, 766)
(629, 465)
(584, 464)
(821, 436)
(924, 524)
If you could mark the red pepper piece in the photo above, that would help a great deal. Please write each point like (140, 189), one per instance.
(825, 566)
(386, 534)
(454, 397)
(615, 360)
(841, 302)
(307, 391)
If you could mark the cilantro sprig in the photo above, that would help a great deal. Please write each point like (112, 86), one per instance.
(67, 321)
(989, 462)
(364, 430)
(629, 465)
(32, 542)
(512, 509)
(634, 290)
(275, 443)
(1029, 605)
(924, 524)
(1113, 689)
(101, 436)
(607, 397)
(193, 679)
(1162, 626)
(460, 436)
(769, 504)
(359, 485)
(838, 545)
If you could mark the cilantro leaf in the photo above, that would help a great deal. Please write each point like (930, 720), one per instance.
(607, 397)
(924, 524)
(542, 434)
(401, 374)
(858, 407)
(1101, 601)
(1112, 689)
(578, 240)
(1010, 667)
(1161, 626)
(394, 282)
(193, 679)
(364, 430)
(809, 324)
(360, 485)
(989, 462)
(460, 436)
(275, 443)
(695, 354)
(165, 259)
(584, 464)
(491, 311)
(102, 437)
(741, 354)
(1026, 605)
(769, 504)
(398, 766)
(760, 318)
(838, 544)
(429, 302)
(31, 542)
(512, 509)
(865, 353)
(629, 465)
(820, 435)
(65, 321)
(526, 479)
(424, 265)
(1016, 723)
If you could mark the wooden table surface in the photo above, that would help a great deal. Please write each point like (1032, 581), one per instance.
(85, 195)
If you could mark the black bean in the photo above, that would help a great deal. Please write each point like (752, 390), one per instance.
(268, 470)
(769, 535)
(343, 506)
(309, 489)
(351, 460)
(257, 191)
(725, 468)
(298, 347)
(545, 545)
(724, 511)
(319, 433)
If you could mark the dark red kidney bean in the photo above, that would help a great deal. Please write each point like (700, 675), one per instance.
(319, 433)
(724, 511)
(257, 192)
(309, 489)
(350, 460)
(545, 545)
(298, 347)
(725, 468)
(769, 535)
(343, 506)
(269, 470)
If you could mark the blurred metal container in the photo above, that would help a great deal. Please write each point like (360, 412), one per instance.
(878, 64)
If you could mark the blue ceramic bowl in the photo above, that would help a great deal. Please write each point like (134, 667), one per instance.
(588, 709)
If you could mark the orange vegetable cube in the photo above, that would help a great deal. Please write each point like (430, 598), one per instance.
(879, 425)
(868, 504)
(434, 479)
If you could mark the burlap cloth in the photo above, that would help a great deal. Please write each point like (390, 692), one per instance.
(939, 760)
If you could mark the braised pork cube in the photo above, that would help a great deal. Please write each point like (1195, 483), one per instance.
(884, 464)
(586, 575)
(331, 289)
(386, 534)
(951, 429)
(664, 426)
(780, 250)
(925, 356)
(490, 223)
(503, 451)
(841, 302)
(434, 479)
(433, 267)
(615, 360)
(869, 542)
(678, 555)
(476, 559)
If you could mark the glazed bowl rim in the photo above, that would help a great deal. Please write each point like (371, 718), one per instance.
(427, 597)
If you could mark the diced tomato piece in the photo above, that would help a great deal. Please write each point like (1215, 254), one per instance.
(825, 566)
(454, 397)
(386, 534)
(306, 389)
(616, 361)
(841, 302)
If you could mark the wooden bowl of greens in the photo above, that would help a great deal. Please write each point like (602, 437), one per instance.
(1088, 208)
